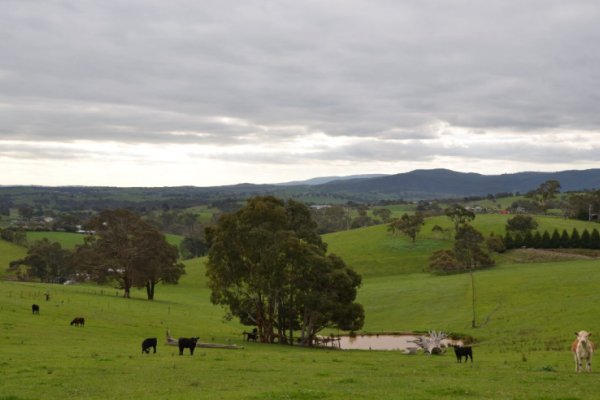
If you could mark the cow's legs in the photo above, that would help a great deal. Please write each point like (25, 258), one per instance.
(589, 364)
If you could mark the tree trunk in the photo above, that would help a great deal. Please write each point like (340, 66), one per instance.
(281, 331)
(269, 320)
(126, 287)
(303, 335)
(150, 289)
(291, 317)
(307, 330)
(260, 320)
(473, 323)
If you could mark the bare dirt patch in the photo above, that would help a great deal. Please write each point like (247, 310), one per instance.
(548, 255)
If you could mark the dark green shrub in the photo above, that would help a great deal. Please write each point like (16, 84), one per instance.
(595, 239)
(546, 241)
(495, 243)
(585, 240)
(555, 240)
(565, 240)
(575, 241)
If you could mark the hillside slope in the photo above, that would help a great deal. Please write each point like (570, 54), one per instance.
(439, 183)
(526, 314)
(373, 251)
(9, 252)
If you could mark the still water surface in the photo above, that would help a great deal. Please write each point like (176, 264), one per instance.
(378, 342)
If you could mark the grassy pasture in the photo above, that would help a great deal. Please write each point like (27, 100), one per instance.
(397, 209)
(527, 315)
(373, 251)
(69, 240)
(205, 213)
(9, 252)
(521, 353)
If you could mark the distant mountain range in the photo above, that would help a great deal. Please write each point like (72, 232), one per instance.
(441, 183)
(414, 185)
(327, 179)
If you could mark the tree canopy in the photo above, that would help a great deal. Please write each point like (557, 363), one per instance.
(469, 248)
(409, 225)
(45, 260)
(268, 266)
(125, 249)
(459, 215)
(545, 192)
(521, 224)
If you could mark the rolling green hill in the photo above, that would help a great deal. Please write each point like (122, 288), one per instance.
(67, 240)
(70, 240)
(373, 251)
(522, 351)
(9, 252)
(526, 313)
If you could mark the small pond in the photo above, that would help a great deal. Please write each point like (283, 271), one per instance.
(378, 342)
(404, 343)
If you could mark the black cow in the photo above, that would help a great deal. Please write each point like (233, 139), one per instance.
(35, 309)
(147, 343)
(463, 351)
(78, 321)
(187, 343)
(251, 335)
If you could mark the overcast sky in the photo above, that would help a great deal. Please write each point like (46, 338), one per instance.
(166, 93)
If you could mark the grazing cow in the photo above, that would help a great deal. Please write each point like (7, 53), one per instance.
(35, 309)
(147, 343)
(78, 321)
(583, 349)
(463, 351)
(187, 343)
(251, 335)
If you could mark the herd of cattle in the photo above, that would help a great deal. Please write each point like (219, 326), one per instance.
(582, 348)
(147, 344)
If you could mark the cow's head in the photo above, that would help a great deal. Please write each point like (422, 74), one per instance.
(582, 336)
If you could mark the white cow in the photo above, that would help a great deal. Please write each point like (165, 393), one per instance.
(583, 349)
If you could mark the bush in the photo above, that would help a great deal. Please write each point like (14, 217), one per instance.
(585, 241)
(595, 239)
(546, 241)
(565, 240)
(537, 240)
(521, 224)
(443, 261)
(16, 236)
(555, 240)
(575, 241)
(495, 243)
(508, 241)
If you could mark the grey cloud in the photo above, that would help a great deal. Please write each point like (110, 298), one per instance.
(427, 151)
(31, 151)
(542, 153)
(378, 69)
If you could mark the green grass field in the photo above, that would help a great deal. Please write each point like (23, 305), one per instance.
(70, 240)
(527, 315)
(373, 251)
(66, 239)
(9, 252)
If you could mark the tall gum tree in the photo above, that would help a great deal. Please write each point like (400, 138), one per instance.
(268, 266)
